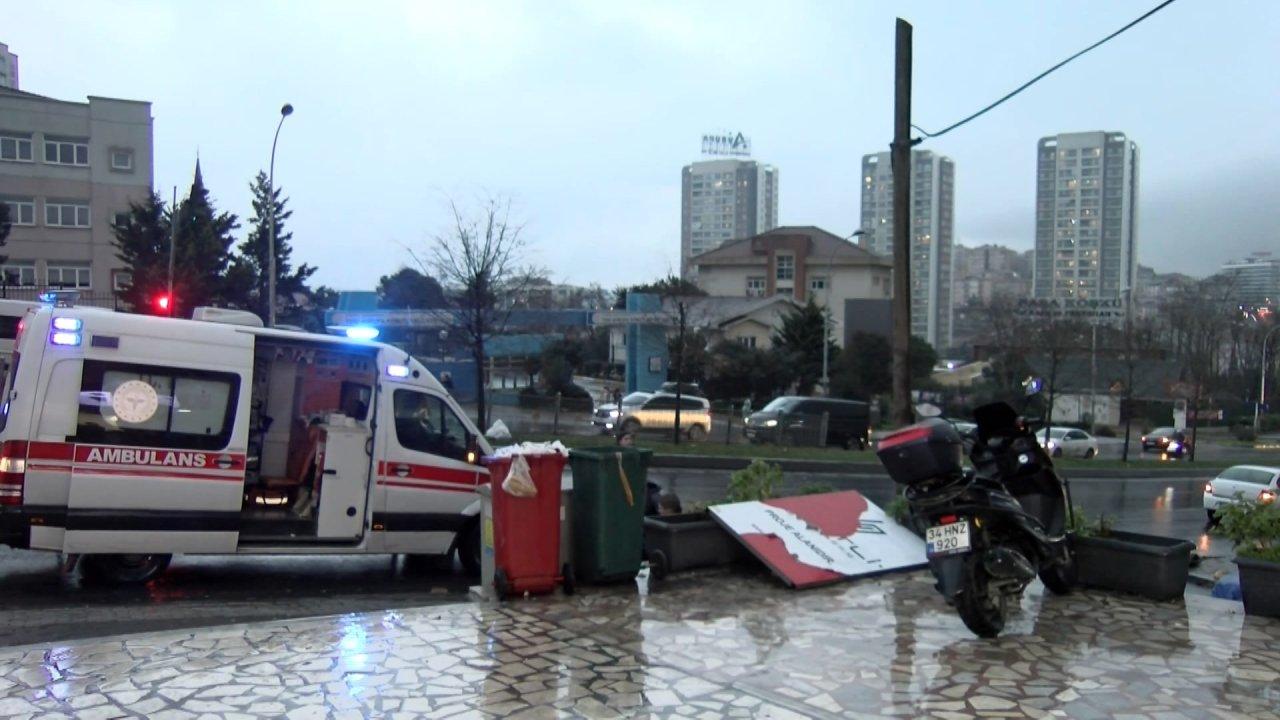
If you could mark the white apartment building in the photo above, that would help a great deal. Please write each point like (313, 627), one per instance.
(68, 170)
(724, 199)
(800, 263)
(1086, 216)
(932, 231)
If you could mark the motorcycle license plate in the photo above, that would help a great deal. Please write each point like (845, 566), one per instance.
(947, 539)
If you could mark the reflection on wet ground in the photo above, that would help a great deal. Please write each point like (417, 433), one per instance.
(711, 645)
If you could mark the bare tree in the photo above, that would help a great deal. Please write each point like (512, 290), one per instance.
(477, 258)
(1200, 319)
(1055, 338)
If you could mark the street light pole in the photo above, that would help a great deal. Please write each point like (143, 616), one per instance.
(1262, 389)
(285, 112)
(826, 316)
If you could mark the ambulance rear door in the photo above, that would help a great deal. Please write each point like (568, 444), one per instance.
(157, 442)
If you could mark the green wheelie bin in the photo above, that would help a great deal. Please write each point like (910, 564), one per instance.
(609, 493)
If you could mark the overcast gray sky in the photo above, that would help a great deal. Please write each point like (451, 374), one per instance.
(584, 112)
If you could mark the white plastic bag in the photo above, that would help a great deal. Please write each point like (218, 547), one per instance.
(498, 431)
(519, 480)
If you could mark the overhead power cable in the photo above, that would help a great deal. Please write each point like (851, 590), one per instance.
(1042, 75)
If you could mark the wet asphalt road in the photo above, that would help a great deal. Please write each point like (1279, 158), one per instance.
(38, 603)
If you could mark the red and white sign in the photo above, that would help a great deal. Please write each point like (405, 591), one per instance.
(810, 540)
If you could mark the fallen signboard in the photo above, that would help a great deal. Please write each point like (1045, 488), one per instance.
(811, 540)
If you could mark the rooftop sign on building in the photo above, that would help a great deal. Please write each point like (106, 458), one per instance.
(726, 143)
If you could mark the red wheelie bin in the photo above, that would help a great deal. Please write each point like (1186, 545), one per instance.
(526, 530)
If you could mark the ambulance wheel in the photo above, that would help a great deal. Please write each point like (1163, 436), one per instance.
(469, 549)
(123, 569)
(501, 585)
(567, 582)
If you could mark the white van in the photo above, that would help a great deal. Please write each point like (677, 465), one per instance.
(127, 438)
(11, 313)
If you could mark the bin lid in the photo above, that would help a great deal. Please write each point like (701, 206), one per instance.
(606, 453)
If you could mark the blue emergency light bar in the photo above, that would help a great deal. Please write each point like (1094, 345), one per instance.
(362, 332)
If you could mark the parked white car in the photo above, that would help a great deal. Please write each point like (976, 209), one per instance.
(1069, 442)
(1241, 483)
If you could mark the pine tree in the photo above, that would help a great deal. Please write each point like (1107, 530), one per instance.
(202, 252)
(142, 244)
(249, 270)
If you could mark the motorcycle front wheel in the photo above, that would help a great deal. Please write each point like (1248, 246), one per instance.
(981, 607)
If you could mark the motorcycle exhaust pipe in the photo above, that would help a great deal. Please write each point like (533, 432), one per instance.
(1006, 563)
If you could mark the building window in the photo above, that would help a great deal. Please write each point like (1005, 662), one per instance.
(121, 280)
(755, 287)
(786, 267)
(68, 276)
(785, 292)
(748, 341)
(21, 211)
(817, 283)
(66, 152)
(66, 215)
(18, 273)
(122, 160)
(15, 149)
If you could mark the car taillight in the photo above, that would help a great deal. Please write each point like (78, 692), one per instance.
(1144, 438)
(947, 519)
(1266, 496)
(13, 469)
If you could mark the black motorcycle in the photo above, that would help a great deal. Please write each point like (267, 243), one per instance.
(989, 529)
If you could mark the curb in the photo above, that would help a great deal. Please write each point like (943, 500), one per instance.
(724, 462)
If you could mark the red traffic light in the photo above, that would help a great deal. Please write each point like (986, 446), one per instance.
(162, 303)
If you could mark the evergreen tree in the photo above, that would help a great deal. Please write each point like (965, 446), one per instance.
(202, 252)
(142, 244)
(799, 341)
(408, 289)
(248, 279)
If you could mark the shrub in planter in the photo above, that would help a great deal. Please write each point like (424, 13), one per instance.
(1148, 565)
(756, 481)
(1255, 530)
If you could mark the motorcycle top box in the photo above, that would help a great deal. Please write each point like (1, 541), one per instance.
(924, 451)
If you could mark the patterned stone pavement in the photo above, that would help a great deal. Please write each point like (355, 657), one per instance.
(706, 646)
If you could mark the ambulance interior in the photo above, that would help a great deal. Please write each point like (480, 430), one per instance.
(307, 399)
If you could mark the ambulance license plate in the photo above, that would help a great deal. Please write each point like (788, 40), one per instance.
(947, 539)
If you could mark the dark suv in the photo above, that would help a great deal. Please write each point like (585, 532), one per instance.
(795, 420)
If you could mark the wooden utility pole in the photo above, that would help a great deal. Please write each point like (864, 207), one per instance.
(900, 156)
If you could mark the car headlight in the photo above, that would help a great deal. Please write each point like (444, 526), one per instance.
(1051, 445)
(770, 423)
(613, 413)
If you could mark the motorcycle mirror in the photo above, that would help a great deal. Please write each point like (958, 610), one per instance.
(928, 410)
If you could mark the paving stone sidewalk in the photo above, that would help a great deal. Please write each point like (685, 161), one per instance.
(707, 646)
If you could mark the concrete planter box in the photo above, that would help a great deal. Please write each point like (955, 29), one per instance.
(1147, 565)
(684, 542)
(1260, 586)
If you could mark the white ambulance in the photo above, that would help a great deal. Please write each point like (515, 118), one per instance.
(127, 438)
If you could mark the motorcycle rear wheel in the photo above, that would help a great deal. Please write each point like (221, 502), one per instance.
(980, 607)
